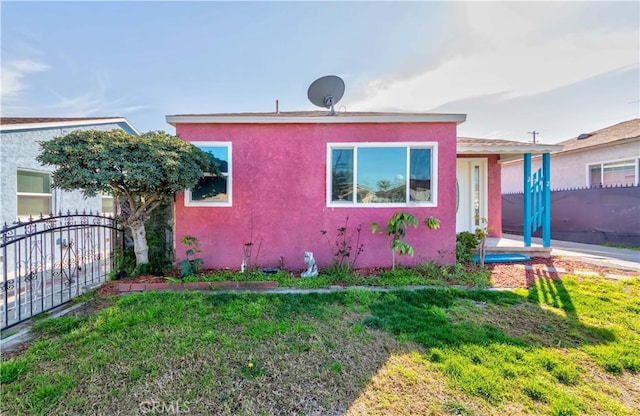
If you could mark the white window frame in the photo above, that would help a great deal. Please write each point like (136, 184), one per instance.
(588, 167)
(37, 194)
(229, 175)
(433, 146)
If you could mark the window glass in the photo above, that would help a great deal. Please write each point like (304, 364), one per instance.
(342, 175)
(210, 189)
(476, 195)
(33, 205)
(420, 175)
(108, 203)
(382, 174)
(619, 173)
(34, 182)
(595, 176)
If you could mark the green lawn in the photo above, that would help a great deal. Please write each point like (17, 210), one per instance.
(565, 347)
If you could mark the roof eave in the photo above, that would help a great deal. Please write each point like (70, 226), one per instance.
(400, 118)
(508, 150)
(53, 124)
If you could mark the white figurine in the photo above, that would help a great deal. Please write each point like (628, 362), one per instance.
(312, 268)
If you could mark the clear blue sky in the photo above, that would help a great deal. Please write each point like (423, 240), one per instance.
(561, 68)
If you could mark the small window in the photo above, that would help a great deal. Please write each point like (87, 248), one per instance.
(213, 190)
(34, 193)
(381, 174)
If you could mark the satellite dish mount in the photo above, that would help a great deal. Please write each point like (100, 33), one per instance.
(326, 92)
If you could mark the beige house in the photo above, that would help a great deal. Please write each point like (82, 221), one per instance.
(605, 157)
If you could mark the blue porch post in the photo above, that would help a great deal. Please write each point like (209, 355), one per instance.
(546, 222)
(527, 200)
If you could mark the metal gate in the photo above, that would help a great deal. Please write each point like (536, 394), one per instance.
(51, 260)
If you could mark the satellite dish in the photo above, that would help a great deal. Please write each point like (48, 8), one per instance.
(326, 92)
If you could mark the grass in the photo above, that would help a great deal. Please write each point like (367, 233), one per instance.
(431, 274)
(625, 246)
(562, 348)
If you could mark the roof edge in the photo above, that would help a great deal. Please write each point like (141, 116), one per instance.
(510, 149)
(284, 119)
(570, 152)
(79, 122)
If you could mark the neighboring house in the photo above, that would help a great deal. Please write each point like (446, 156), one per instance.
(285, 177)
(25, 184)
(606, 157)
(595, 178)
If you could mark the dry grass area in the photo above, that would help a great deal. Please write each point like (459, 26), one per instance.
(408, 384)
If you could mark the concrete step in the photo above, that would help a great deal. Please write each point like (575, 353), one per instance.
(544, 252)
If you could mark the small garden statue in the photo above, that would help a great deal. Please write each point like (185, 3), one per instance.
(312, 268)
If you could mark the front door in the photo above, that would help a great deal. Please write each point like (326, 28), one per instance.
(471, 193)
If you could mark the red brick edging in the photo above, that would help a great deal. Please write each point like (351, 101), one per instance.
(227, 285)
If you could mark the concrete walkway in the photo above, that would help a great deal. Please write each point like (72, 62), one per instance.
(589, 253)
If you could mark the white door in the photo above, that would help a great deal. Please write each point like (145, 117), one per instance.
(471, 193)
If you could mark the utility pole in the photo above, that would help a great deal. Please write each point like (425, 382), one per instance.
(534, 133)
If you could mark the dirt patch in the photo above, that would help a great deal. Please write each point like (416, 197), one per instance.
(91, 307)
(517, 275)
(111, 287)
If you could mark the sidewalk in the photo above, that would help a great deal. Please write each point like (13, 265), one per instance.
(589, 253)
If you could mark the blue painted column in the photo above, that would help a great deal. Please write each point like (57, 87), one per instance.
(546, 222)
(527, 200)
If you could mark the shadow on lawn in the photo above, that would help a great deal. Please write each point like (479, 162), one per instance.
(547, 288)
(423, 317)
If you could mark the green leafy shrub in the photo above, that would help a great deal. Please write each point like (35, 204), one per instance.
(190, 266)
(124, 262)
(466, 243)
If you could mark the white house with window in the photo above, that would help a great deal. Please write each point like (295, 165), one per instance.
(607, 157)
(26, 186)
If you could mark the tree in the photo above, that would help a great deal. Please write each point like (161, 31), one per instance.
(384, 185)
(142, 171)
(396, 228)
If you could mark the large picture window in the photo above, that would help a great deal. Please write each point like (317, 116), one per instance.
(381, 174)
(213, 190)
(34, 193)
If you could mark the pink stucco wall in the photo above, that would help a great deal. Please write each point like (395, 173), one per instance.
(279, 188)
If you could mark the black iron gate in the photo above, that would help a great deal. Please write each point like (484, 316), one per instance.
(51, 260)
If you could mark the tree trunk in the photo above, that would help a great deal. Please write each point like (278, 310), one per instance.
(139, 241)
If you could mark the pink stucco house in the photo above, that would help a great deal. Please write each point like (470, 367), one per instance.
(288, 175)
